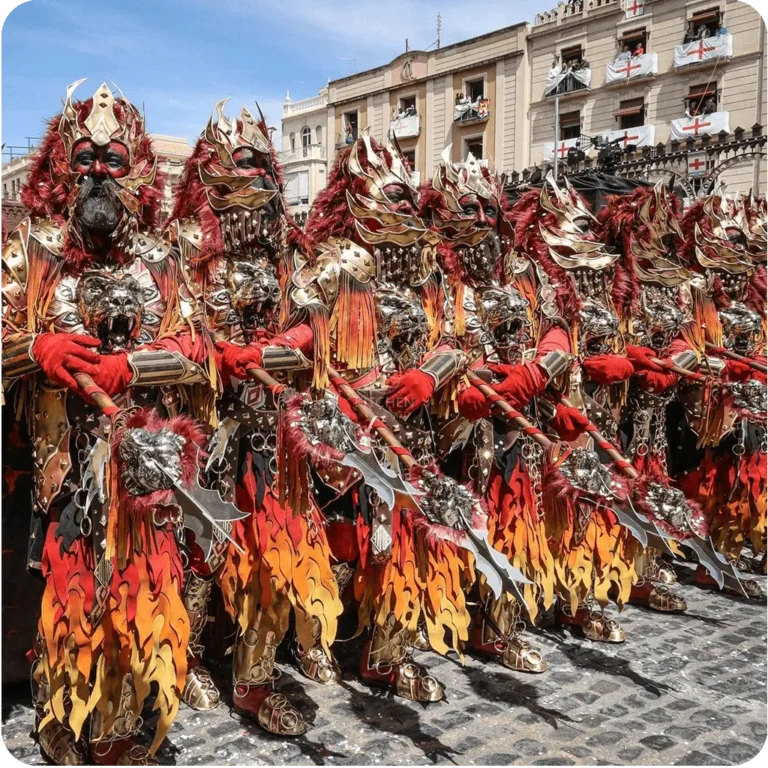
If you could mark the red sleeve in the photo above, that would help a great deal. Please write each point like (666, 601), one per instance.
(556, 338)
(678, 346)
(182, 343)
(299, 337)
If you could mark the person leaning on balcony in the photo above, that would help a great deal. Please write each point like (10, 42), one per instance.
(690, 34)
(709, 106)
(639, 50)
(703, 32)
(625, 54)
(722, 30)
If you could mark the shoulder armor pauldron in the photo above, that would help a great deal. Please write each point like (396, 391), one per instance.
(48, 234)
(151, 248)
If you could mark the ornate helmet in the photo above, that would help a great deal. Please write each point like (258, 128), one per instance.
(505, 320)
(231, 185)
(99, 123)
(752, 214)
(555, 229)
(715, 243)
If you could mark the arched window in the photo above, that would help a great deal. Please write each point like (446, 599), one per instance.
(319, 134)
(306, 138)
(293, 141)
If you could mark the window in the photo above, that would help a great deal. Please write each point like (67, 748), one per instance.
(630, 40)
(410, 156)
(306, 136)
(319, 134)
(703, 24)
(408, 105)
(572, 57)
(5, 190)
(570, 125)
(475, 89)
(350, 126)
(702, 99)
(631, 113)
(297, 188)
(474, 145)
(293, 142)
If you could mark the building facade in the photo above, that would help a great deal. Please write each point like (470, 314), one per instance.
(678, 85)
(304, 155)
(678, 89)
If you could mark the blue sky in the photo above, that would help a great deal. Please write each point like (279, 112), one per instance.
(179, 56)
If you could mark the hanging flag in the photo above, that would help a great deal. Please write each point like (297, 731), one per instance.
(720, 46)
(636, 66)
(701, 125)
(697, 164)
(640, 136)
(633, 8)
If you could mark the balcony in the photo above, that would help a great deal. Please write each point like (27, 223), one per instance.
(346, 139)
(302, 154)
(703, 51)
(712, 124)
(292, 108)
(640, 136)
(565, 11)
(572, 81)
(406, 126)
(469, 112)
(631, 68)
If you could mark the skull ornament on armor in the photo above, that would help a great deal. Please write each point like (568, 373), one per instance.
(402, 324)
(445, 502)
(669, 505)
(503, 314)
(598, 329)
(153, 460)
(112, 308)
(585, 471)
(742, 328)
(254, 293)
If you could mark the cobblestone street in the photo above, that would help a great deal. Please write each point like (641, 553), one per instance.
(683, 690)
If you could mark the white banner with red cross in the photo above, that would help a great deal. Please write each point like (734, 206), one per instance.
(636, 66)
(640, 136)
(701, 125)
(548, 149)
(704, 50)
(697, 163)
(633, 8)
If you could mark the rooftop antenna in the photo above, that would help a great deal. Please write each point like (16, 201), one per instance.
(406, 45)
(354, 64)
(439, 28)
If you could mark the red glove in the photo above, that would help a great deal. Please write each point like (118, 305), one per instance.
(608, 369)
(234, 360)
(409, 391)
(62, 355)
(651, 381)
(735, 370)
(641, 359)
(521, 383)
(569, 422)
(473, 404)
(112, 374)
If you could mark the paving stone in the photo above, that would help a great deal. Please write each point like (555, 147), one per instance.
(698, 758)
(630, 754)
(733, 752)
(658, 742)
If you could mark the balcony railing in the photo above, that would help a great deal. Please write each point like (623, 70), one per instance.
(572, 81)
(305, 105)
(405, 126)
(306, 152)
(566, 10)
(472, 111)
(346, 139)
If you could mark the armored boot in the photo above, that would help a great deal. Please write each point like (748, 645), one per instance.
(497, 631)
(316, 664)
(200, 692)
(386, 661)
(253, 695)
(420, 638)
(594, 624)
(116, 745)
(656, 596)
(57, 742)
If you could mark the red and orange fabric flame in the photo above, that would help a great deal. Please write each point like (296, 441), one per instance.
(424, 578)
(138, 627)
(286, 566)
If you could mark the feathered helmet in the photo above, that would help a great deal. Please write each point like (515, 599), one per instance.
(752, 215)
(52, 186)
(370, 198)
(232, 185)
(555, 229)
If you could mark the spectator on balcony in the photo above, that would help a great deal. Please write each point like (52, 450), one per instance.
(709, 106)
(690, 34)
(703, 32)
(722, 30)
(556, 68)
(625, 54)
(583, 64)
(639, 50)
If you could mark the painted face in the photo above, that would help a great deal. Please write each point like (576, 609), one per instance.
(400, 199)
(110, 160)
(484, 211)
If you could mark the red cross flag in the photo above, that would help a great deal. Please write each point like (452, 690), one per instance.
(633, 8)
(640, 136)
(717, 47)
(549, 149)
(636, 66)
(701, 125)
(697, 163)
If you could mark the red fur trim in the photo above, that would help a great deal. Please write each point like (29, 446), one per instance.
(525, 216)
(192, 455)
(757, 291)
